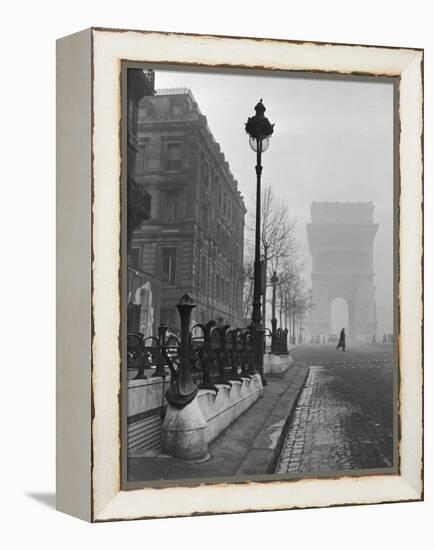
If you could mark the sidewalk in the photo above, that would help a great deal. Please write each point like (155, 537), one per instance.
(249, 446)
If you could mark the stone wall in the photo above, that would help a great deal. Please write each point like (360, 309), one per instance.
(204, 419)
(146, 405)
(221, 409)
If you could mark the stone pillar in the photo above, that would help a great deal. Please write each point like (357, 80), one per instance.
(184, 432)
(320, 323)
(184, 427)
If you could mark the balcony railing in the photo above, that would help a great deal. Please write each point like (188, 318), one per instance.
(139, 200)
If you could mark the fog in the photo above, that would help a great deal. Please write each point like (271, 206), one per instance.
(333, 141)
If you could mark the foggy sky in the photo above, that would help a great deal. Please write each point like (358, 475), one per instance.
(333, 141)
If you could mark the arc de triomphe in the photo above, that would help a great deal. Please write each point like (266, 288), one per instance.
(341, 237)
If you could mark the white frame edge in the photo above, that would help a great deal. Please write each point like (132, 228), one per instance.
(109, 48)
(73, 274)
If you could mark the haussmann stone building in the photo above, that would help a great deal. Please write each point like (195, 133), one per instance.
(193, 239)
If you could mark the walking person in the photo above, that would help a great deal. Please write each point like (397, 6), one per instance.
(341, 343)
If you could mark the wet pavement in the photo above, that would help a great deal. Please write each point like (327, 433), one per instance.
(344, 417)
(249, 446)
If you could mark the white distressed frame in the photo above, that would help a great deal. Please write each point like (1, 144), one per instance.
(109, 47)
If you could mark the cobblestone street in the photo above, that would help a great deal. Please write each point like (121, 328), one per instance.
(344, 417)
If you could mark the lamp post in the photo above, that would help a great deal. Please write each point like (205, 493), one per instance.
(274, 280)
(259, 129)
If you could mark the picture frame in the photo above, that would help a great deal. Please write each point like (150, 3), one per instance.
(89, 213)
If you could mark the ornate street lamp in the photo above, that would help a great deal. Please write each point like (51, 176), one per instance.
(274, 280)
(259, 130)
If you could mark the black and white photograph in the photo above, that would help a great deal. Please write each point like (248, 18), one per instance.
(260, 303)
(220, 217)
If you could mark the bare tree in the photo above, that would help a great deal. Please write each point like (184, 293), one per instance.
(295, 301)
(278, 236)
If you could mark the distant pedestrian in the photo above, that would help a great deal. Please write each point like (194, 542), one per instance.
(341, 343)
(374, 339)
(384, 339)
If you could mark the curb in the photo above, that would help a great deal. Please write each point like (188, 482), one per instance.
(284, 433)
(268, 443)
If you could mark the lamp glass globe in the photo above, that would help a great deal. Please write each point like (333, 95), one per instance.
(263, 144)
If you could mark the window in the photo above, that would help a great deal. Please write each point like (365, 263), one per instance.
(174, 161)
(171, 205)
(141, 159)
(203, 274)
(143, 113)
(169, 265)
(177, 110)
(135, 257)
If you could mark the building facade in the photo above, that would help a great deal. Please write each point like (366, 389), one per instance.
(139, 84)
(193, 239)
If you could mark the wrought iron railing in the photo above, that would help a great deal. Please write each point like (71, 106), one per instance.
(276, 341)
(204, 357)
(281, 341)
